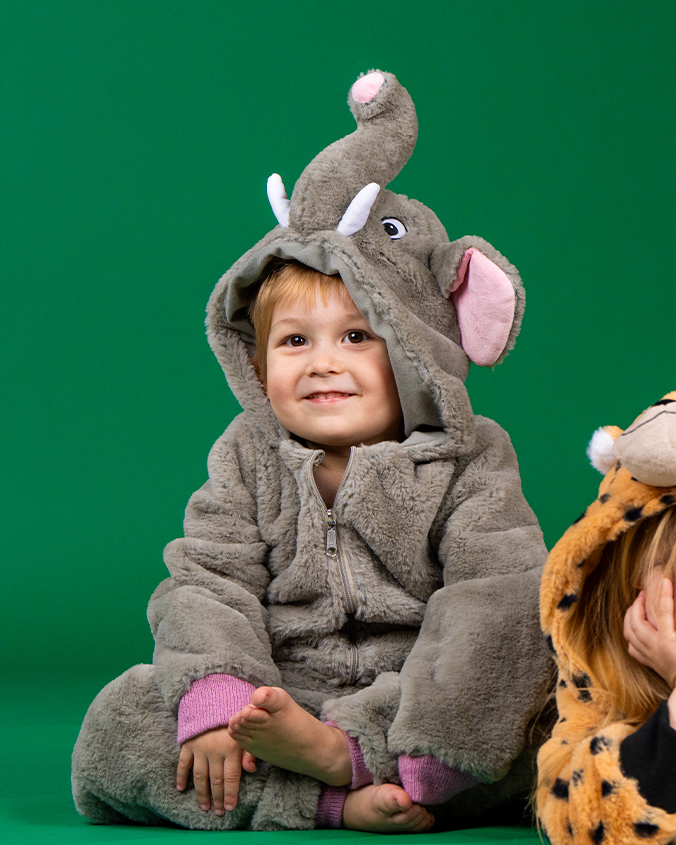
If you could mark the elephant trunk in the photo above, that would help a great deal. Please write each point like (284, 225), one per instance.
(387, 130)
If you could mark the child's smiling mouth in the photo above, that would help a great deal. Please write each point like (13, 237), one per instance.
(328, 396)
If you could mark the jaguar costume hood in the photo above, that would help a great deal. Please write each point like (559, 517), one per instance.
(438, 304)
(599, 789)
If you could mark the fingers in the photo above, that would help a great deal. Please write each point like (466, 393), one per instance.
(201, 779)
(183, 768)
(228, 794)
(216, 771)
(665, 608)
(638, 631)
(249, 762)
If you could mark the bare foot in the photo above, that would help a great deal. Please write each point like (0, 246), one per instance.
(274, 728)
(385, 809)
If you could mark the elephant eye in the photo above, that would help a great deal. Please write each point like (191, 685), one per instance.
(394, 228)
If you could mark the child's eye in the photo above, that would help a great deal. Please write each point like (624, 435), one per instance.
(295, 340)
(355, 337)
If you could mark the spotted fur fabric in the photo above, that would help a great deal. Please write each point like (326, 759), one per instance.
(590, 799)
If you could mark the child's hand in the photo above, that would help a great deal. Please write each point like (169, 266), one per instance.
(650, 629)
(216, 762)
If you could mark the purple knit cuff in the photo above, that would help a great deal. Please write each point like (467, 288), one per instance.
(330, 807)
(361, 776)
(429, 781)
(209, 703)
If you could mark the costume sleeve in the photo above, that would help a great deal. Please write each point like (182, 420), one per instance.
(649, 756)
(208, 617)
(479, 670)
(584, 793)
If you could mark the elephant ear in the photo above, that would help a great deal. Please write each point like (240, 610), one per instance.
(485, 301)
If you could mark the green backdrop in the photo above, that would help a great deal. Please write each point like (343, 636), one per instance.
(136, 137)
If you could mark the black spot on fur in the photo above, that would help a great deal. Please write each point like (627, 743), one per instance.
(582, 681)
(598, 744)
(633, 514)
(567, 601)
(562, 683)
(598, 834)
(550, 644)
(570, 830)
(581, 516)
(603, 499)
(563, 719)
(578, 777)
(581, 564)
(607, 788)
(668, 499)
(645, 829)
(663, 402)
(560, 789)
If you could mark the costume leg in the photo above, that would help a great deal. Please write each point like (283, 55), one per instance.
(368, 715)
(124, 769)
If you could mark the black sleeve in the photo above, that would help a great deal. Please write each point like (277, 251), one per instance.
(649, 755)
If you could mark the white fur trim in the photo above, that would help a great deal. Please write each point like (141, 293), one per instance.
(278, 200)
(601, 452)
(358, 210)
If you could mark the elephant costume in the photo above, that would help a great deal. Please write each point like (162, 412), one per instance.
(420, 635)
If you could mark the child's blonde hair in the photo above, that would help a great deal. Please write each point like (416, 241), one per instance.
(624, 688)
(595, 625)
(288, 281)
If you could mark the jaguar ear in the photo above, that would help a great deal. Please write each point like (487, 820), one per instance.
(648, 447)
(601, 451)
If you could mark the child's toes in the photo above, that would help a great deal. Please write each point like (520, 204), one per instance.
(415, 820)
(393, 799)
(269, 698)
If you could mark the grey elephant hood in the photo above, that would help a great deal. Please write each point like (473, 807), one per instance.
(436, 303)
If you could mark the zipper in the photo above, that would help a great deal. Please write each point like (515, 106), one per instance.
(333, 552)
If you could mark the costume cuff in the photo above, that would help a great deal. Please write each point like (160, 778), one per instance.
(361, 776)
(209, 703)
(648, 755)
(330, 807)
(429, 781)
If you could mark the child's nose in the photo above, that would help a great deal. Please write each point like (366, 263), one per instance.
(324, 362)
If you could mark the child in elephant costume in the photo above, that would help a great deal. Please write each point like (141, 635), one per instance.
(349, 633)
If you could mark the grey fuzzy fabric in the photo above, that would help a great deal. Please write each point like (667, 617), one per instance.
(434, 647)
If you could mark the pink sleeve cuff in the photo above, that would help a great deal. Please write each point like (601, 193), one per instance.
(361, 776)
(429, 781)
(209, 703)
(330, 807)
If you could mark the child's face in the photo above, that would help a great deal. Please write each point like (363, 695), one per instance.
(329, 379)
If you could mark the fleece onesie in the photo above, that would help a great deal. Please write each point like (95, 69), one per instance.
(417, 631)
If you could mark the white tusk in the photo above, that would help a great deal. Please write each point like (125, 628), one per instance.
(278, 199)
(358, 210)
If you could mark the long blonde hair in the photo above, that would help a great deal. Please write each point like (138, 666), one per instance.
(629, 690)
(624, 689)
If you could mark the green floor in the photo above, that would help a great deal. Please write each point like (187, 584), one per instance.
(40, 727)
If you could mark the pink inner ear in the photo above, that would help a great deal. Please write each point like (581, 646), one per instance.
(485, 301)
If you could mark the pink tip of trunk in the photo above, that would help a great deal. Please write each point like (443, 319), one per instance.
(365, 89)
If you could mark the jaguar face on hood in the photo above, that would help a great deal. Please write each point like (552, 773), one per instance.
(438, 304)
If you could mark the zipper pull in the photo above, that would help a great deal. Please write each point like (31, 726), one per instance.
(331, 541)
